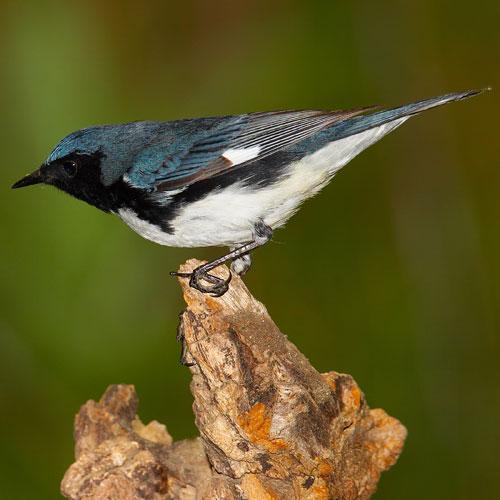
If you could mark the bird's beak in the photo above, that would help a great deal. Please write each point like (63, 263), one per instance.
(28, 180)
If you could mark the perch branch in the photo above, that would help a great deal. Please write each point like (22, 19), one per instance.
(271, 426)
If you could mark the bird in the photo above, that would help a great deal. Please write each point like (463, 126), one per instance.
(217, 181)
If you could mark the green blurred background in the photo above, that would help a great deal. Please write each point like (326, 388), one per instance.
(391, 274)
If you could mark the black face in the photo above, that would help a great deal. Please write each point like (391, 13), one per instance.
(78, 175)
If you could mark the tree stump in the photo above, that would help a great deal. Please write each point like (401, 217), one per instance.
(271, 426)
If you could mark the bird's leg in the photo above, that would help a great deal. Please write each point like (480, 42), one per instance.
(219, 286)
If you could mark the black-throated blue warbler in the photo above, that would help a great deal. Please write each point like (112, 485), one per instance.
(227, 180)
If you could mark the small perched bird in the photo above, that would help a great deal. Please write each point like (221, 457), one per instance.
(219, 181)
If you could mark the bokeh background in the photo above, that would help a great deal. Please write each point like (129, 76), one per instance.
(391, 274)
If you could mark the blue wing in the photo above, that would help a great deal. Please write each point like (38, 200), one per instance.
(193, 150)
(188, 151)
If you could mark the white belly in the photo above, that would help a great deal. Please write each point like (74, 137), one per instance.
(228, 216)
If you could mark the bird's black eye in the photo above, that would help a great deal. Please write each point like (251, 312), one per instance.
(70, 167)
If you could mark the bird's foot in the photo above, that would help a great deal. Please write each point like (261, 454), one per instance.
(217, 288)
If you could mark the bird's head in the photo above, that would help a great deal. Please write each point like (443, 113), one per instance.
(86, 163)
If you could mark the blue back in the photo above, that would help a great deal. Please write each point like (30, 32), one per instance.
(144, 143)
(168, 155)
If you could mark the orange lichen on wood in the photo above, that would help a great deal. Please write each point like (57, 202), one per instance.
(356, 395)
(271, 427)
(254, 488)
(257, 424)
(213, 305)
(324, 468)
(320, 490)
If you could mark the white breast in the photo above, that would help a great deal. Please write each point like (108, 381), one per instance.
(227, 216)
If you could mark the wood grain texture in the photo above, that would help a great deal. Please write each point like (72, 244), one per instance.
(271, 426)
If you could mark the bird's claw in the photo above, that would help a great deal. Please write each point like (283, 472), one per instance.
(218, 287)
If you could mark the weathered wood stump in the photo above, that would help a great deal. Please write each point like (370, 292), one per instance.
(271, 426)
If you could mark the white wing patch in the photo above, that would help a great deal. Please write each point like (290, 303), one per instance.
(237, 156)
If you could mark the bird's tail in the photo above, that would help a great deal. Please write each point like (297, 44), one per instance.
(359, 124)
